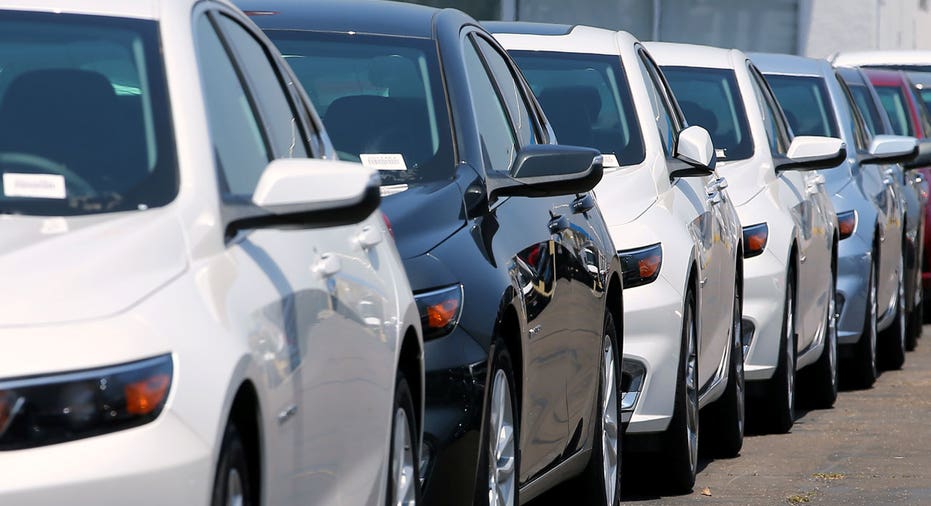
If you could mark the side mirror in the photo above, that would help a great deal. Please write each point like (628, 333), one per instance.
(891, 149)
(544, 170)
(924, 156)
(810, 152)
(310, 193)
(696, 150)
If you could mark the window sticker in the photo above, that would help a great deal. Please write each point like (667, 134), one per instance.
(392, 189)
(36, 186)
(384, 161)
(721, 153)
(609, 160)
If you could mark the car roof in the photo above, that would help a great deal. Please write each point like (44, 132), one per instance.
(882, 57)
(884, 77)
(693, 55)
(543, 37)
(360, 16)
(143, 9)
(921, 80)
(772, 63)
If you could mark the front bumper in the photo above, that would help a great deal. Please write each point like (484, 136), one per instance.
(764, 303)
(854, 260)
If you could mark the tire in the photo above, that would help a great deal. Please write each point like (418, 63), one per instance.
(725, 420)
(232, 484)
(678, 458)
(913, 326)
(403, 476)
(863, 370)
(891, 345)
(598, 487)
(781, 387)
(820, 378)
(501, 472)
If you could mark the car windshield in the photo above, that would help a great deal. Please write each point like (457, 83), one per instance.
(84, 123)
(893, 101)
(804, 100)
(381, 100)
(587, 100)
(867, 107)
(710, 98)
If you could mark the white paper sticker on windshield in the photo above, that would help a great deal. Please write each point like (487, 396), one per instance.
(384, 161)
(609, 160)
(36, 186)
(721, 153)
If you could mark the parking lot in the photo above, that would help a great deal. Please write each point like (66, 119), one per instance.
(873, 447)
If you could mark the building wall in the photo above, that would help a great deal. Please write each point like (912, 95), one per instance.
(828, 26)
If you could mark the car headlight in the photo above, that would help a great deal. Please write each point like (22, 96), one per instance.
(755, 239)
(55, 408)
(641, 266)
(847, 223)
(439, 310)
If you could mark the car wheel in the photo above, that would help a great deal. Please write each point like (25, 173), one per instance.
(232, 485)
(864, 371)
(602, 477)
(821, 377)
(726, 417)
(403, 487)
(499, 451)
(679, 456)
(782, 386)
(892, 340)
(915, 315)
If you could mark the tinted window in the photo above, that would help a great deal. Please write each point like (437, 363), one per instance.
(377, 95)
(867, 107)
(84, 123)
(499, 146)
(710, 98)
(806, 104)
(923, 116)
(510, 92)
(587, 100)
(661, 110)
(770, 112)
(268, 90)
(893, 101)
(861, 134)
(238, 139)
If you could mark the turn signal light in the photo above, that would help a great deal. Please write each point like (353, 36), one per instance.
(143, 397)
(439, 310)
(847, 223)
(641, 266)
(755, 237)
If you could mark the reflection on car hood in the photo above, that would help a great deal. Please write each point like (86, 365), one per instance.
(423, 216)
(58, 270)
(837, 178)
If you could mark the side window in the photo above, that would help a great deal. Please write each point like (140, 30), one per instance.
(662, 113)
(238, 142)
(860, 131)
(776, 131)
(499, 143)
(268, 90)
(510, 92)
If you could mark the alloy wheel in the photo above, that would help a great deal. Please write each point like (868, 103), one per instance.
(739, 358)
(874, 319)
(609, 421)
(900, 303)
(790, 351)
(831, 341)
(501, 456)
(402, 462)
(234, 493)
(691, 390)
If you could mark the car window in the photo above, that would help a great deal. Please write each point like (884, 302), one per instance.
(860, 131)
(923, 116)
(661, 110)
(278, 113)
(510, 91)
(381, 100)
(806, 104)
(84, 116)
(867, 107)
(238, 139)
(710, 98)
(775, 132)
(587, 100)
(893, 101)
(499, 142)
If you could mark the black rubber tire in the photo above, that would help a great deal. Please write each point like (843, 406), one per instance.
(724, 421)
(674, 459)
(820, 379)
(781, 394)
(593, 483)
(501, 361)
(232, 456)
(891, 344)
(403, 399)
(863, 371)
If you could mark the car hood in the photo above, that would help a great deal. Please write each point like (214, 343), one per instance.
(744, 179)
(58, 270)
(423, 216)
(625, 193)
(837, 178)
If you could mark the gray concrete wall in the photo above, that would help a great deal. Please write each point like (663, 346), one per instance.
(828, 26)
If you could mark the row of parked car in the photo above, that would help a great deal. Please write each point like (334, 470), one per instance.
(331, 252)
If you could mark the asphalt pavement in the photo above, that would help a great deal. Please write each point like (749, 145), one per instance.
(873, 447)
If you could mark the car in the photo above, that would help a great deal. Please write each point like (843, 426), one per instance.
(789, 225)
(870, 206)
(901, 59)
(508, 254)
(208, 306)
(666, 209)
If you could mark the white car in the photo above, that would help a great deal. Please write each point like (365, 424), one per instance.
(914, 60)
(790, 229)
(202, 306)
(677, 234)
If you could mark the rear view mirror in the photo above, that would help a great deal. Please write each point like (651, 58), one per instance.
(311, 193)
(924, 156)
(695, 148)
(891, 149)
(542, 170)
(810, 152)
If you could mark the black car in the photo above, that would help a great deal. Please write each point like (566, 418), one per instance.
(514, 272)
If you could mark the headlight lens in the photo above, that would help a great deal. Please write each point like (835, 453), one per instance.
(439, 310)
(847, 223)
(55, 408)
(642, 265)
(755, 238)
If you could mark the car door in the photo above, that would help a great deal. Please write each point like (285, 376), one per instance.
(526, 235)
(310, 300)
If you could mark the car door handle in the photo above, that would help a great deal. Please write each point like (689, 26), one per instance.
(720, 183)
(714, 197)
(328, 265)
(583, 204)
(889, 172)
(558, 223)
(369, 237)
